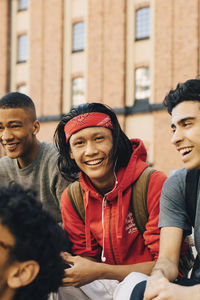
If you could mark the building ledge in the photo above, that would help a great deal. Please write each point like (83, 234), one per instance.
(140, 106)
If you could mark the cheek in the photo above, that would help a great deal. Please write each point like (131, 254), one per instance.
(75, 155)
(71, 154)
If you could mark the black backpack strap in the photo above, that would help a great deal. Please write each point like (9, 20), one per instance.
(192, 179)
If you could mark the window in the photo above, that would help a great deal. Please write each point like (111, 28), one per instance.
(22, 4)
(78, 36)
(22, 48)
(142, 83)
(143, 23)
(78, 91)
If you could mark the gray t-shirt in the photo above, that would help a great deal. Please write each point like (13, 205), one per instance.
(173, 209)
(42, 175)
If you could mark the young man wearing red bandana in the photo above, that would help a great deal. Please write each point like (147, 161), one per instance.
(94, 150)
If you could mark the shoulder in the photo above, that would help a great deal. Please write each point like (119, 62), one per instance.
(49, 147)
(176, 182)
(172, 202)
(48, 152)
(173, 192)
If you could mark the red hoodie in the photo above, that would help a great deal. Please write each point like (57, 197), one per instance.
(111, 226)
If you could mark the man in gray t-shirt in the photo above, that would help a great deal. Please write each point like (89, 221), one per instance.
(28, 161)
(183, 104)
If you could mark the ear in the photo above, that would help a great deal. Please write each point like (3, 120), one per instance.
(22, 273)
(36, 127)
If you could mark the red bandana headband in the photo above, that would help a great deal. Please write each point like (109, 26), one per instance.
(92, 119)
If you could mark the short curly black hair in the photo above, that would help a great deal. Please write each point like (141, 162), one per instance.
(37, 237)
(186, 91)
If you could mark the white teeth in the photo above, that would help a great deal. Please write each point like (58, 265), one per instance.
(185, 150)
(94, 162)
(10, 146)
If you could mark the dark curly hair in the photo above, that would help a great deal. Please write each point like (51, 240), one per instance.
(37, 237)
(122, 148)
(186, 91)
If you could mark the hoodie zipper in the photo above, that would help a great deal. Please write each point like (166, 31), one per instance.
(110, 238)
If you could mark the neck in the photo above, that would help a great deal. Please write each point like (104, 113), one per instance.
(23, 162)
(107, 188)
(8, 294)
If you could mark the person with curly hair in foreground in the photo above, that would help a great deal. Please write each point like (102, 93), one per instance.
(31, 241)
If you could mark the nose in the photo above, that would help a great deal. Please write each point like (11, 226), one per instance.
(90, 148)
(6, 135)
(177, 136)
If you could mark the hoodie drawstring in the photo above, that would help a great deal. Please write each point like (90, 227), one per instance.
(103, 258)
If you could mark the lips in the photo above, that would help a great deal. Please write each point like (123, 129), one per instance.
(10, 147)
(94, 162)
(185, 150)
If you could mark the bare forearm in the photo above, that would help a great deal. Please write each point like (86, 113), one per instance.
(119, 272)
(84, 270)
(165, 267)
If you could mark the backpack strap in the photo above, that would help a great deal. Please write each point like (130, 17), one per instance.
(138, 201)
(75, 194)
(192, 179)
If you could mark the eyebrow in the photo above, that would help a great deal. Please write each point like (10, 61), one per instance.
(182, 121)
(5, 246)
(13, 122)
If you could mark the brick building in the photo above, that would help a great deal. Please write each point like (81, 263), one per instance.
(125, 53)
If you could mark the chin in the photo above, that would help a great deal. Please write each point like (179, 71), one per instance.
(192, 166)
(12, 155)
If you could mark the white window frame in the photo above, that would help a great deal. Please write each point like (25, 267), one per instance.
(143, 23)
(22, 47)
(78, 37)
(78, 91)
(23, 4)
(142, 83)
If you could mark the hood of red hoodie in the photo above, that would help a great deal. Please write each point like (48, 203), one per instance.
(125, 176)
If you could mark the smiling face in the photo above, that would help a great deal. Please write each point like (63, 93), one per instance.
(91, 148)
(17, 134)
(186, 132)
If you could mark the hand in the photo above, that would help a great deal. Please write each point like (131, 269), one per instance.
(83, 270)
(152, 285)
(162, 289)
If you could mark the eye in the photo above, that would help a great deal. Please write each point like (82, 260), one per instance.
(187, 123)
(99, 138)
(15, 126)
(78, 143)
